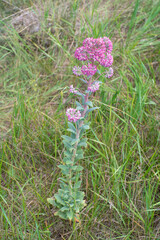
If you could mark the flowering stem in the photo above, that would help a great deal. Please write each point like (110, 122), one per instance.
(78, 131)
(69, 199)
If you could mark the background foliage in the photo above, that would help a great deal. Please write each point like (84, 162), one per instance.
(121, 165)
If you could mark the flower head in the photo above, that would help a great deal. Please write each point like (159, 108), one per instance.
(72, 89)
(81, 54)
(95, 48)
(89, 69)
(107, 61)
(108, 44)
(94, 87)
(73, 114)
(77, 70)
(109, 73)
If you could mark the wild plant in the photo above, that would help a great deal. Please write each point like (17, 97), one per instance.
(95, 52)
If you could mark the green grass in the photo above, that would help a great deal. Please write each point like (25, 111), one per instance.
(121, 177)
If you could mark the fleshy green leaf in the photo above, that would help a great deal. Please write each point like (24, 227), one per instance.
(80, 156)
(80, 195)
(65, 209)
(69, 162)
(91, 109)
(82, 131)
(82, 143)
(70, 215)
(68, 154)
(74, 141)
(89, 103)
(77, 168)
(79, 104)
(65, 159)
(85, 126)
(77, 184)
(71, 126)
(72, 131)
(67, 138)
(80, 108)
(61, 214)
(68, 146)
(50, 201)
(65, 169)
(59, 199)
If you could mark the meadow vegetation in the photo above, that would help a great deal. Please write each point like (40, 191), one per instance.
(121, 176)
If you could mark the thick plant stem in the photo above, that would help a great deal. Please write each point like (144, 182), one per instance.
(78, 131)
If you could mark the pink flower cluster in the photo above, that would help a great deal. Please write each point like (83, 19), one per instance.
(81, 54)
(89, 69)
(72, 89)
(107, 61)
(109, 73)
(77, 71)
(73, 114)
(108, 44)
(94, 87)
(98, 49)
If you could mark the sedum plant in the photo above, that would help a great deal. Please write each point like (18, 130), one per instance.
(70, 199)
